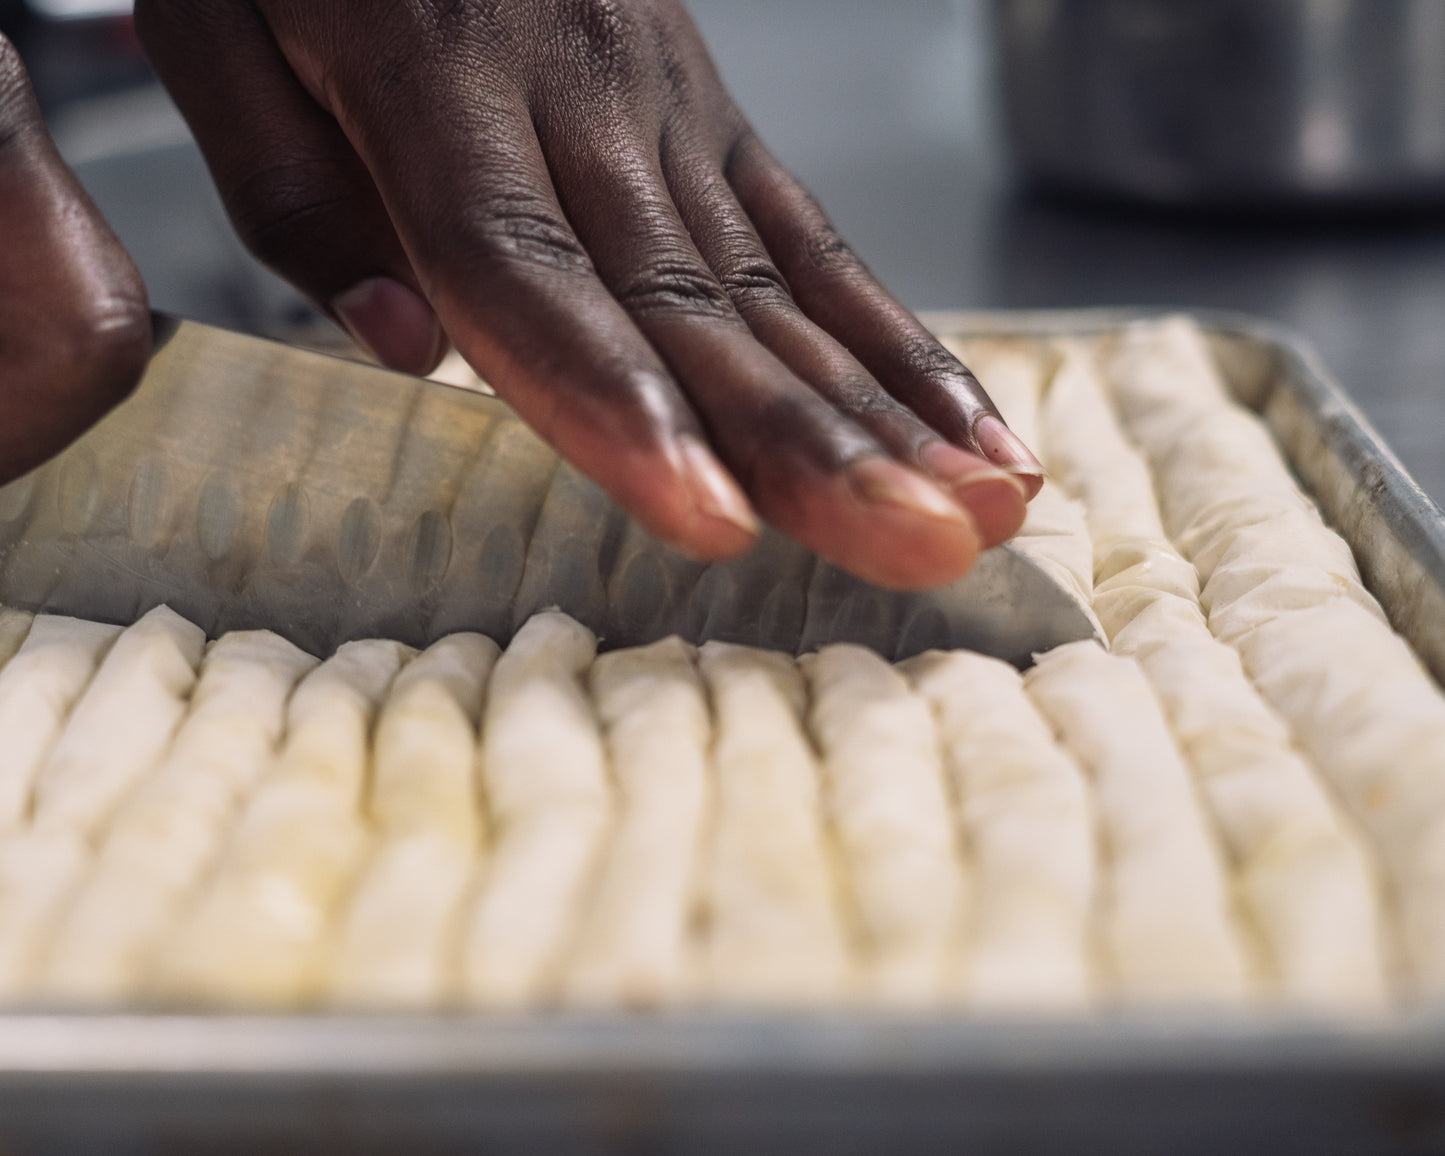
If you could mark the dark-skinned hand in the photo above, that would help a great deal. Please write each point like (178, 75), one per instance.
(564, 190)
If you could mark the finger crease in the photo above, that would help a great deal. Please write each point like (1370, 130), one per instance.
(676, 291)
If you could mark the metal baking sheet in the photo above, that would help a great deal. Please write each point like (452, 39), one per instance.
(1185, 1082)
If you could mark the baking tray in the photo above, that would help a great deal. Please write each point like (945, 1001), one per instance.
(715, 1082)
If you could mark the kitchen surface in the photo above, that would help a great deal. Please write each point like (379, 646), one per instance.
(891, 114)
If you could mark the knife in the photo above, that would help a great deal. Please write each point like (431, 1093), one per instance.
(249, 484)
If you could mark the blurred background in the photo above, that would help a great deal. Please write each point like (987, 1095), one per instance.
(1078, 191)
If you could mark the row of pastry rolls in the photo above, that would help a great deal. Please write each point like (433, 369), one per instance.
(1168, 926)
(459, 827)
(1283, 589)
(1303, 880)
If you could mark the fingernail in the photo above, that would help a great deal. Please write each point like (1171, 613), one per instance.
(1001, 446)
(392, 322)
(713, 488)
(876, 480)
(959, 470)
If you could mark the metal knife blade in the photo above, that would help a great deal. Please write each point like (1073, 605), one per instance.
(249, 484)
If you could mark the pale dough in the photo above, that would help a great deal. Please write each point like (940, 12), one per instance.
(122, 725)
(1302, 875)
(1024, 808)
(1054, 535)
(166, 835)
(1374, 722)
(886, 796)
(39, 687)
(258, 934)
(545, 774)
(1166, 921)
(633, 944)
(775, 930)
(1282, 587)
(396, 944)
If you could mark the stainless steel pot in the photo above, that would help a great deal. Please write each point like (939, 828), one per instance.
(1228, 102)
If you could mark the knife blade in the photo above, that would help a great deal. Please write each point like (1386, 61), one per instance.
(249, 484)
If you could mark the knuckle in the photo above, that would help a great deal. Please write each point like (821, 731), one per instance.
(522, 229)
(754, 284)
(601, 32)
(741, 150)
(283, 209)
(674, 288)
(926, 358)
(827, 251)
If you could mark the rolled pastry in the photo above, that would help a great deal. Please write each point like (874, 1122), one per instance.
(424, 777)
(122, 725)
(1302, 874)
(1054, 533)
(545, 777)
(39, 687)
(1083, 448)
(775, 930)
(886, 796)
(1282, 587)
(1374, 722)
(1024, 808)
(257, 935)
(395, 946)
(1167, 927)
(167, 834)
(633, 944)
(39, 871)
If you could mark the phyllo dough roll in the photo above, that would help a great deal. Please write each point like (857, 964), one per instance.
(397, 944)
(1054, 534)
(886, 796)
(544, 773)
(633, 945)
(168, 833)
(1283, 588)
(1167, 929)
(1303, 876)
(123, 723)
(1229, 501)
(1084, 449)
(1374, 722)
(1025, 814)
(39, 687)
(774, 930)
(258, 933)
(1301, 873)
(39, 872)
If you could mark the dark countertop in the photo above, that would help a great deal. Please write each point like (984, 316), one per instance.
(887, 112)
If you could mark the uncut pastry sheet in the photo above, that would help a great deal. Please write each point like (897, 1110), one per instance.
(1240, 802)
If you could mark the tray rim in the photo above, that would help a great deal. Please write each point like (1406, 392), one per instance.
(194, 1047)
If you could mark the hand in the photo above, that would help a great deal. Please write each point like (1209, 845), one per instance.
(564, 189)
(74, 323)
